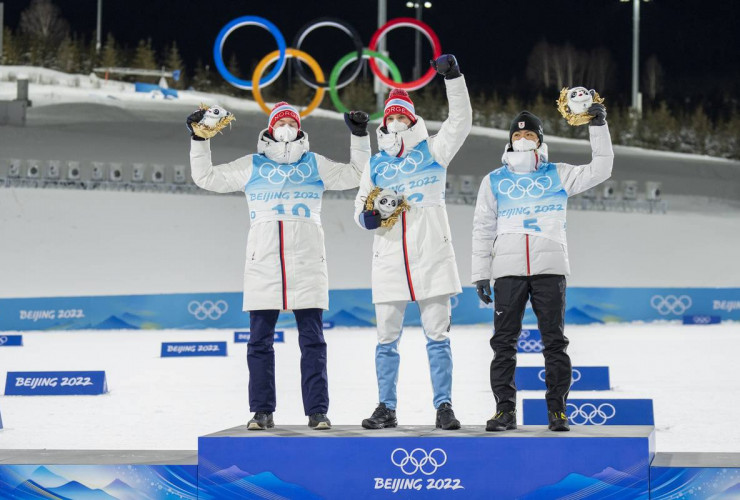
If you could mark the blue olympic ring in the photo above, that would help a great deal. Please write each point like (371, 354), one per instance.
(218, 48)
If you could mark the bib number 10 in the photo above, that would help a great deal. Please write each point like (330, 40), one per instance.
(299, 210)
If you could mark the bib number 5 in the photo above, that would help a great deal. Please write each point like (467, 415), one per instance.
(531, 224)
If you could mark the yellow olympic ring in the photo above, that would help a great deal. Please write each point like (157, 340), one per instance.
(298, 54)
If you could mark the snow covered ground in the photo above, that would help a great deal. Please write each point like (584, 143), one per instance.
(690, 372)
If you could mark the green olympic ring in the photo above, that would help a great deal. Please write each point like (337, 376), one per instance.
(344, 62)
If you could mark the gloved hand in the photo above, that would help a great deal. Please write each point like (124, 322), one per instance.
(446, 65)
(357, 122)
(195, 117)
(483, 287)
(370, 219)
(598, 111)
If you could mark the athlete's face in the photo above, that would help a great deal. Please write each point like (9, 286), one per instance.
(398, 117)
(525, 134)
(286, 121)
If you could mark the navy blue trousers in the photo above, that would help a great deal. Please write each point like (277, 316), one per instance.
(261, 360)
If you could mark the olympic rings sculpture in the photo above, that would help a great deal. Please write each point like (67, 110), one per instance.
(318, 82)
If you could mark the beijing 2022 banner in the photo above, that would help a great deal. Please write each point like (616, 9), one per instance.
(349, 308)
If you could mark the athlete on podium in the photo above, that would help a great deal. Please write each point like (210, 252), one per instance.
(286, 260)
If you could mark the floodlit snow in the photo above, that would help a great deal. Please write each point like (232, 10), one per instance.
(166, 403)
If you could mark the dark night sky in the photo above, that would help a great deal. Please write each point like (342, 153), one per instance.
(696, 41)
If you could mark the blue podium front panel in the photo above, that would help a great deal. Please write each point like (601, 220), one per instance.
(420, 462)
(594, 411)
(695, 475)
(585, 378)
(98, 475)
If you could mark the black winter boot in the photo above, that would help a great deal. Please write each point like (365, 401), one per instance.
(381, 418)
(502, 421)
(446, 418)
(558, 421)
(319, 421)
(262, 420)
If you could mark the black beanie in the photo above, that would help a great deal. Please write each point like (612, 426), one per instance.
(527, 121)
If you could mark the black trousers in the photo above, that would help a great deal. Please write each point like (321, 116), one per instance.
(261, 360)
(546, 292)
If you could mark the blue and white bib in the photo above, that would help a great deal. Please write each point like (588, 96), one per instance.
(533, 203)
(417, 175)
(278, 191)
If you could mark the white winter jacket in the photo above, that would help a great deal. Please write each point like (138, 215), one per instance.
(286, 260)
(519, 222)
(414, 259)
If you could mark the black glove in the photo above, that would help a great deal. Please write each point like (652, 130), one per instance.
(446, 65)
(357, 122)
(483, 287)
(370, 219)
(195, 117)
(598, 111)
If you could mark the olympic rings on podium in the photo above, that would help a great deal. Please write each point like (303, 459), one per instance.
(318, 82)
(298, 54)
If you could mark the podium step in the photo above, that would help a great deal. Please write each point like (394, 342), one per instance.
(79, 474)
(422, 462)
(695, 475)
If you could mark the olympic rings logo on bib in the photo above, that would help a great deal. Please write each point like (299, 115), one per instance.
(318, 82)
(534, 188)
(408, 165)
(297, 174)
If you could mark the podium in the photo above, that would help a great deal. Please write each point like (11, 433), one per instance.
(421, 462)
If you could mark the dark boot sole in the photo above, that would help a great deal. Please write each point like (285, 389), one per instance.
(500, 428)
(254, 426)
(559, 429)
(452, 426)
(386, 425)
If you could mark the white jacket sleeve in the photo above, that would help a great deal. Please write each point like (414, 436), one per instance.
(341, 176)
(224, 178)
(451, 136)
(579, 178)
(484, 231)
(366, 185)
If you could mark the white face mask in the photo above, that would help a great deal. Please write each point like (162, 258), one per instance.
(523, 145)
(396, 126)
(285, 133)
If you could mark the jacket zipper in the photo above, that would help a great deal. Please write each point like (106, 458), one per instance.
(529, 272)
(406, 258)
(282, 265)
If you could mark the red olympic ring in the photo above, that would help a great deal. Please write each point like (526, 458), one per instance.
(408, 22)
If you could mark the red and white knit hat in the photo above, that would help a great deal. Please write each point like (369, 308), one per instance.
(283, 110)
(399, 102)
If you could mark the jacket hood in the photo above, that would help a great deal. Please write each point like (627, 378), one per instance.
(282, 152)
(514, 159)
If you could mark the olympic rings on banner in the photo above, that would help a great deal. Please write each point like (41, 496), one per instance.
(347, 59)
(218, 49)
(407, 22)
(283, 53)
(298, 54)
(331, 23)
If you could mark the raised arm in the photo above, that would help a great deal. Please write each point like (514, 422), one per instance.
(340, 176)
(484, 231)
(579, 178)
(451, 136)
(224, 178)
